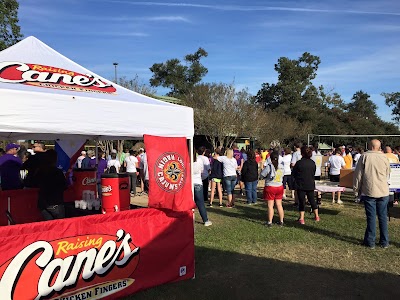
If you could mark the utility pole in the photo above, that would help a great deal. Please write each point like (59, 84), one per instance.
(115, 74)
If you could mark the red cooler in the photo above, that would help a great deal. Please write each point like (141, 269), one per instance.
(115, 192)
(84, 179)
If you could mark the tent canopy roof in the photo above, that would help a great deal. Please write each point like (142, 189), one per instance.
(45, 95)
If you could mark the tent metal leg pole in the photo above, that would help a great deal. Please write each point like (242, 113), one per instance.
(191, 154)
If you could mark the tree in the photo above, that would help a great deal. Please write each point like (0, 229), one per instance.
(9, 28)
(137, 86)
(215, 112)
(222, 114)
(294, 79)
(393, 100)
(179, 78)
(362, 106)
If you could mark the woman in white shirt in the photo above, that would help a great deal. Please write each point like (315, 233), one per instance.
(198, 192)
(336, 163)
(287, 172)
(230, 179)
(131, 163)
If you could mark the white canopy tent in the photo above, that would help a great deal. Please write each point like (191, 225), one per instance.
(45, 95)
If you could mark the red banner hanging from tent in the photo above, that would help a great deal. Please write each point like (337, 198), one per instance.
(170, 184)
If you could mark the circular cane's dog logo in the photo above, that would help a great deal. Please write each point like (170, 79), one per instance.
(170, 172)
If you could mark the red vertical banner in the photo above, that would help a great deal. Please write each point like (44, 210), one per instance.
(170, 184)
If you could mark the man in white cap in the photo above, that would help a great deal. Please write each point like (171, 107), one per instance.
(10, 166)
(80, 159)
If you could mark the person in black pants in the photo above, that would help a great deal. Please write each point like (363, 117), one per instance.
(303, 175)
(51, 183)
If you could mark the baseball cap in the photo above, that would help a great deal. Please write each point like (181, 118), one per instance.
(113, 151)
(12, 146)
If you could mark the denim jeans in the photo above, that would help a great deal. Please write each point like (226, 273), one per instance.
(376, 207)
(132, 180)
(230, 183)
(199, 199)
(251, 191)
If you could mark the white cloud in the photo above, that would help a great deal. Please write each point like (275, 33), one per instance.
(253, 8)
(168, 19)
(380, 64)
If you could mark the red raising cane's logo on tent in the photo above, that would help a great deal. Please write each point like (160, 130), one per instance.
(169, 172)
(80, 267)
(52, 77)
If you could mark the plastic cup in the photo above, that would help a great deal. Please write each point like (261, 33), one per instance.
(97, 204)
(83, 204)
(77, 204)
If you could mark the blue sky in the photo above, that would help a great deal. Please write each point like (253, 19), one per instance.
(358, 41)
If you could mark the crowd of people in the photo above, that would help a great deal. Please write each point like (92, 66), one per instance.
(36, 167)
(295, 172)
(131, 162)
(282, 170)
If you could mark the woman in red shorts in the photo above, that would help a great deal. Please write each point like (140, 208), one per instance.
(273, 190)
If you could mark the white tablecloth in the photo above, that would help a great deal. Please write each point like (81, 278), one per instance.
(328, 187)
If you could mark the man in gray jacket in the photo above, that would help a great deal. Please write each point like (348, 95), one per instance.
(371, 183)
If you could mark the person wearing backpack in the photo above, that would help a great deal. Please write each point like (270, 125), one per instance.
(113, 164)
(273, 190)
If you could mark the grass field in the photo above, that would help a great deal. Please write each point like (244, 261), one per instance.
(240, 258)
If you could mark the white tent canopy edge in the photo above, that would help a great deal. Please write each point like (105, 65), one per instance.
(34, 112)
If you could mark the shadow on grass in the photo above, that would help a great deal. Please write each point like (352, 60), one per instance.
(257, 214)
(230, 275)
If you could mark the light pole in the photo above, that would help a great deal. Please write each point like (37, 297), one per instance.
(115, 74)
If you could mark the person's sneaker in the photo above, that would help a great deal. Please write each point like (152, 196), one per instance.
(279, 223)
(207, 223)
(221, 205)
(229, 205)
(254, 203)
(139, 194)
(339, 202)
(268, 224)
(301, 221)
(317, 219)
(368, 246)
(384, 246)
(209, 205)
(284, 197)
